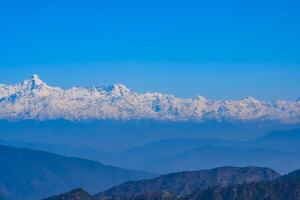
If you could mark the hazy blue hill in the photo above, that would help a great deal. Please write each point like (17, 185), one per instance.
(184, 183)
(147, 155)
(29, 174)
(86, 152)
(157, 146)
(278, 149)
(212, 156)
(277, 140)
(121, 135)
(281, 140)
(165, 156)
(134, 158)
(173, 146)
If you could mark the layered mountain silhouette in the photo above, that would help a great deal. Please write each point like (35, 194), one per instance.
(288, 140)
(184, 183)
(266, 187)
(180, 185)
(212, 156)
(27, 174)
(278, 150)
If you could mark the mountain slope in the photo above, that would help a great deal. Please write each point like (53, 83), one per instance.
(286, 187)
(29, 174)
(34, 99)
(77, 194)
(184, 183)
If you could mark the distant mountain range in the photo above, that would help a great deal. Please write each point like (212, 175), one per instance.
(184, 183)
(286, 187)
(212, 156)
(34, 99)
(177, 185)
(27, 174)
(279, 150)
(218, 184)
(30, 175)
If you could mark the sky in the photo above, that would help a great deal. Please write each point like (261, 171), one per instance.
(218, 49)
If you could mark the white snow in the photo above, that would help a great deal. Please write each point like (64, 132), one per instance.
(34, 99)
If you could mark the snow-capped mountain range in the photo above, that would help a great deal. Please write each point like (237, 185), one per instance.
(34, 99)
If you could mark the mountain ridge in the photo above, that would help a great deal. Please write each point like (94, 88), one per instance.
(273, 188)
(286, 187)
(183, 183)
(34, 99)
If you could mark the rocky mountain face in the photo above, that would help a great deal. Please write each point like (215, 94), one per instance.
(191, 185)
(286, 187)
(77, 194)
(34, 99)
(27, 174)
(185, 183)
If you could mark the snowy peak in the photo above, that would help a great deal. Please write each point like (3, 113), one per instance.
(35, 79)
(34, 99)
(250, 99)
(118, 90)
(33, 83)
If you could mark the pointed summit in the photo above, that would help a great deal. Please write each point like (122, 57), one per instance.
(201, 98)
(33, 83)
(35, 79)
(118, 89)
(250, 99)
(35, 76)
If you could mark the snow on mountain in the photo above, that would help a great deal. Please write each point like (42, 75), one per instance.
(34, 99)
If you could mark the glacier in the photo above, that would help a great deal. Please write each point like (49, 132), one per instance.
(34, 99)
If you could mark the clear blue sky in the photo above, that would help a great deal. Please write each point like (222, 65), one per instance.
(220, 49)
